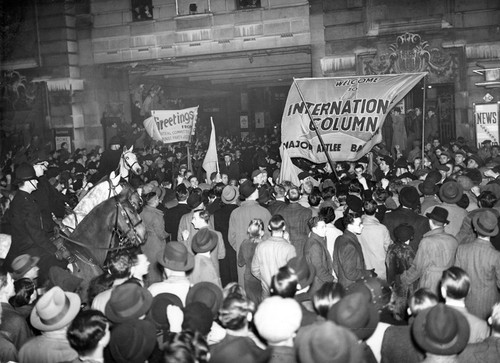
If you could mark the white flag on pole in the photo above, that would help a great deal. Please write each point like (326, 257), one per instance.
(288, 170)
(211, 160)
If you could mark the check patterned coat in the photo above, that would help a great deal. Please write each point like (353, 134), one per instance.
(482, 263)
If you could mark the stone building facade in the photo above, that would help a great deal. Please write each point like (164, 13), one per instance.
(71, 66)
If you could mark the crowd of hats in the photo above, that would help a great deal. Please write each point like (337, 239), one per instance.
(138, 317)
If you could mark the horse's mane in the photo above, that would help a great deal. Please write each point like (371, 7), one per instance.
(95, 214)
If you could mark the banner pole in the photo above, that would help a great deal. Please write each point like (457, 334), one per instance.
(317, 132)
(217, 162)
(423, 120)
(189, 162)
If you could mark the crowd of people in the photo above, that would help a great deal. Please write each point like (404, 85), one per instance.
(392, 258)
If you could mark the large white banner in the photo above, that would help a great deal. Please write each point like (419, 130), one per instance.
(348, 113)
(171, 125)
(486, 120)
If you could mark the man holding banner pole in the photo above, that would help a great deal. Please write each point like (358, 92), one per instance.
(341, 118)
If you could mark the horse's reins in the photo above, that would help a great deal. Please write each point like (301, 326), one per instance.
(115, 232)
(128, 221)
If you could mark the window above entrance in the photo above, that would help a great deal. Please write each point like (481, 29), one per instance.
(192, 7)
(247, 4)
(142, 10)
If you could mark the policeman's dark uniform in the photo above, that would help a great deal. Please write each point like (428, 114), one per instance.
(50, 201)
(27, 229)
(109, 159)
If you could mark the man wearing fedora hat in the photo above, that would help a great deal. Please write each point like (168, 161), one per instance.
(52, 315)
(429, 188)
(176, 262)
(398, 344)
(27, 230)
(202, 220)
(406, 213)
(441, 332)
(25, 266)
(435, 253)
(228, 265)
(450, 194)
(327, 342)
(128, 302)
(203, 244)
(360, 316)
(482, 262)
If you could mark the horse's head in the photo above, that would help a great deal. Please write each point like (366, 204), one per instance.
(130, 162)
(128, 223)
(132, 195)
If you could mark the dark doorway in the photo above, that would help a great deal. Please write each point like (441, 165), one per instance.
(441, 98)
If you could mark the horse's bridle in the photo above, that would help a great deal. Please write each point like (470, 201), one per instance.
(123, 236)
(127, 163)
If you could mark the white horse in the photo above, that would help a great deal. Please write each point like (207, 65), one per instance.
(105, 189)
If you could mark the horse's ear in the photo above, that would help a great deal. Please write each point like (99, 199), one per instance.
(131, 149)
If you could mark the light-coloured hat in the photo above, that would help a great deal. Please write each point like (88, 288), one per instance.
(22, 264)
(277, 319)
(486, 223)
(55, 310)
(229, 194)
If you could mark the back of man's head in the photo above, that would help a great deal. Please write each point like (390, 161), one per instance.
(422, 299)
(86, 330)
(284, 283)
(218, 189)
(294, 194)
(314, 198)
(313, 221)
(349, 217)
(327, 214)
(181, 192)
(370, 207)
(328, 193)
(119, 265)
(277, 223)
(279, 191)
(455, 283)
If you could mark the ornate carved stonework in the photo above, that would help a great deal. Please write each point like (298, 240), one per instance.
(409, 54)
(16, 93)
